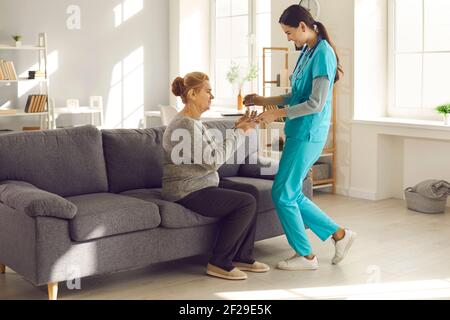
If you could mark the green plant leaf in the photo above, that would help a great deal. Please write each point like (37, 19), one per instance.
(252, 73)
(234, 73)
(443, 109)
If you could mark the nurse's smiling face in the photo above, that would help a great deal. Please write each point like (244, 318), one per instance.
(298, 35)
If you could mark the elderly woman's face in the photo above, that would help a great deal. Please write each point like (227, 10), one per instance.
(203, 97)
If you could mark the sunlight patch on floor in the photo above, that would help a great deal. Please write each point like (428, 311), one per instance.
(425, 289)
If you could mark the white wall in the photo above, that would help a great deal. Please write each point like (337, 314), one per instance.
(425, 159)
(371, 58)
(190, 48)
(385, 159)
(126, 62)
(174, 44)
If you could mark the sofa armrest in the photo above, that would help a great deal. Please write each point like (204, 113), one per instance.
(34, 202)
(259, 167)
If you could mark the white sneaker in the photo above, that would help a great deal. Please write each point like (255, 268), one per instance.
(298, 263)
(342, 246)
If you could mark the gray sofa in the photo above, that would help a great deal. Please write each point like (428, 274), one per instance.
(86, 202)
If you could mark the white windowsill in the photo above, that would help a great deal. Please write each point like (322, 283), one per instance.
(404, 123)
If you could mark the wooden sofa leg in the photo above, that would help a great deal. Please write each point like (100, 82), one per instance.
(2, 268)
(52, 291)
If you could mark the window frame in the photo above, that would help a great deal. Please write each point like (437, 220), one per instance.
(393, 110)
(252, 54)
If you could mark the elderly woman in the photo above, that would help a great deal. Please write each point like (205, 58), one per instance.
(191, 179)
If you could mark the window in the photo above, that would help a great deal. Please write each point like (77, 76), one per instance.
(419, 57)
(241, 28)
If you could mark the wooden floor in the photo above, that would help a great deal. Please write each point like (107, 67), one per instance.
(399, 254)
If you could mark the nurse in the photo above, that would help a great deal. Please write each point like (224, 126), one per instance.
(307, 125)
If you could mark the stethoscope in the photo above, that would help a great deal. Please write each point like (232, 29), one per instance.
(305, 52)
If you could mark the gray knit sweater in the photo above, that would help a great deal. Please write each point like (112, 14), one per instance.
(192, 156)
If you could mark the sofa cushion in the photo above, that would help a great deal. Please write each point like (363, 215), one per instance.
(173, 215)
(34, 202)
(249, 147)
(265, 191)
(259, 167)
(134, 158)
(66, 162)
(105, 214)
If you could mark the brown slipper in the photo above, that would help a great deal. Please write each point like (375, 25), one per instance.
(217, 272)
(255, 267)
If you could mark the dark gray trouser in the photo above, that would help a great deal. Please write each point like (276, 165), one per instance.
(236, 204)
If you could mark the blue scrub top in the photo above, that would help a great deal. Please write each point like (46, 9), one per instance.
(323, 63)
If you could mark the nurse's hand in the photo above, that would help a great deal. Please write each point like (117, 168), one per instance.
(254, 100)
(270, 116)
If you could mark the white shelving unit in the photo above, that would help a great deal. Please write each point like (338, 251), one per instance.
(93, 112)
(22, 80)
(44, 83)
(7, 47)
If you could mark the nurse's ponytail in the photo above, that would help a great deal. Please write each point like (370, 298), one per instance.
(322, 31)
(295, 14)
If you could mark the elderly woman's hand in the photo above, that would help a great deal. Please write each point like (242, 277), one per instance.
(246, 126)
(251, 116)
(248, 121)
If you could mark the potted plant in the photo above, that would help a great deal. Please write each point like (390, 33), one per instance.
(234, 77)
(445, 111)
(18, 40)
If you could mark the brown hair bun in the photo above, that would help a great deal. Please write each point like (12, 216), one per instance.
(192, 81)
(178, 87)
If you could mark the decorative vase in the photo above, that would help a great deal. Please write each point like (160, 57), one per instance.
(18, 43)
(447, 119)
(240, 101)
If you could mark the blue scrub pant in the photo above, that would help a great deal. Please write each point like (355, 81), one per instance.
(294, 209)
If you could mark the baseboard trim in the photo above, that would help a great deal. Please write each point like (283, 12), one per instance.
(342, 191)
(367, 195)
(363, 194)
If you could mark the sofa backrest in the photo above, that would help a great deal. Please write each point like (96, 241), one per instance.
(67, 162)
(134, 158)
(250, 146)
